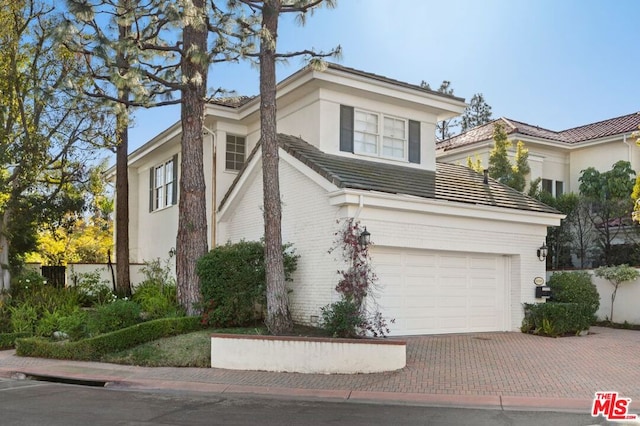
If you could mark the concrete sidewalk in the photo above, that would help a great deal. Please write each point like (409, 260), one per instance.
(490, 370)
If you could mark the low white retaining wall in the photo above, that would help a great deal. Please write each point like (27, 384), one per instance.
(307, 354)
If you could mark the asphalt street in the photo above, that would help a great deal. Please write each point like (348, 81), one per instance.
(26, 402)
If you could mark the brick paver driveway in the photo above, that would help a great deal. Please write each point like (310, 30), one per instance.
(483, 364)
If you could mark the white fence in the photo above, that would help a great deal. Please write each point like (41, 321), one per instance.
(626, 306)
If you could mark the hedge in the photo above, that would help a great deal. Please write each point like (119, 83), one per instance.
(556, 319)
(8, 340)
(94, 348)
(574, 287)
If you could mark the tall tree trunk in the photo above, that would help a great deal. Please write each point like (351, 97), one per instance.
(123, 283)
(5, 275)
(192, 220)
(278, 316)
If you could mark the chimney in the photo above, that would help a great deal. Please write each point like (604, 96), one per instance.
(486, 176)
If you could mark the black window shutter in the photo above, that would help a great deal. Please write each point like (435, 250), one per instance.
(346, 128)
(151, 187)
(414, 141)
(174, 183)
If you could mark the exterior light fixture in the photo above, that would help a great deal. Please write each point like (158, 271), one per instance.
(542, 252)
(365, 238)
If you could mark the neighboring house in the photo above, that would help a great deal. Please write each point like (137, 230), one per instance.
(453, 253)
(556, 157)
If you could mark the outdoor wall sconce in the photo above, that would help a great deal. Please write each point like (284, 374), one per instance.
(365, 238)
(542, 252)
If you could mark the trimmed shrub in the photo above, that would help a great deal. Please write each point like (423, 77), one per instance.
(556, 319)
(574, 287)
(94, 348)
(8, 340)
(233, 283)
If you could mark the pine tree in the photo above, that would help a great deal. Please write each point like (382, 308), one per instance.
(476, 114)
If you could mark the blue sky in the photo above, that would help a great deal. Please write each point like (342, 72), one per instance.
(552, 63)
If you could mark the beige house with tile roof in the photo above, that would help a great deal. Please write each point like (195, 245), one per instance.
(558, 157)
(453, 252)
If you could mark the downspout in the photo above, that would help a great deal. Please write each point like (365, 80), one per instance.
(360, 206)
(630, 150)
(214, 170)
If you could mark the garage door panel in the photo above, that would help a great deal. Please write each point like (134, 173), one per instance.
(439, 292)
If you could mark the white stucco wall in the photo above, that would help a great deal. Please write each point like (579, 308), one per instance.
(157, 230)
(602, 157)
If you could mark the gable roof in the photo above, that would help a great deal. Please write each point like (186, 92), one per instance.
(614, 126)
(449, 183)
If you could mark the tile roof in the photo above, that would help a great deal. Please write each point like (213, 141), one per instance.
(614, 126)
(449, 183)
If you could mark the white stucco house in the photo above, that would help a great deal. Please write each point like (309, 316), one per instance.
(453, 252)
(558, 157)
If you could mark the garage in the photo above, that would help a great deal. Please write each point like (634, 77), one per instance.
(434, 292)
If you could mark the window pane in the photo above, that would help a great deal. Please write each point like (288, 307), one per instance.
(547, 185)
(234, 157)
(169, 172)
(169, 198)
(559, 188)
(159, 177)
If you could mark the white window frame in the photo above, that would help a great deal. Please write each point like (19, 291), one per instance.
(163, 185)
(381, 136)
(235, 153)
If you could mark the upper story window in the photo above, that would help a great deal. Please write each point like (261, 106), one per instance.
(369, 133)
(377, 134)
(163, 184)
(555, 188)
(235, 152)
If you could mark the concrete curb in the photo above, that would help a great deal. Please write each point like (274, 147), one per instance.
(492, 402)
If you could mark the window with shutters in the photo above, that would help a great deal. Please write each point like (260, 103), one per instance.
(370, 133)
(379, 135)
(163, 185)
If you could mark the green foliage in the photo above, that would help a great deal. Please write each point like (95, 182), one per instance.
(8, 340)
(342, 318)
(74, 325)
(556, 319)
(113, 316)
(157, 301)
(574, 287)
(476, 114)
(26, 282)
(500, 167)
(23, 318)
(609, 206)
(233, 282)
(93, 290)
(93, 349)
(156, 295)
(617, 275)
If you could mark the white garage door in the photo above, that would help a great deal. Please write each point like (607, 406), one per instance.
(432, 292)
